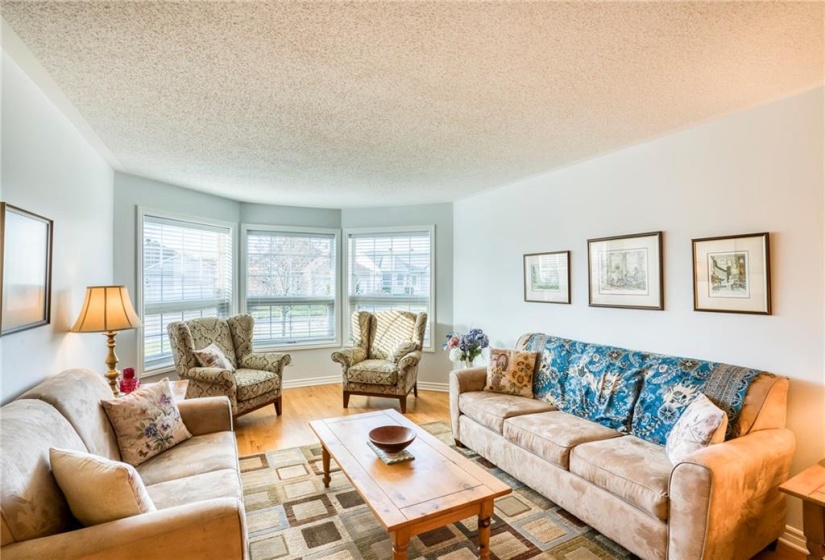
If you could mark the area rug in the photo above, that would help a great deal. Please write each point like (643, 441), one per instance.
(290, 514)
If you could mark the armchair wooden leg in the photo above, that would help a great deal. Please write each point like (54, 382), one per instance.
(403, 401)
(346, 399)
(278, 406)
(415, 389)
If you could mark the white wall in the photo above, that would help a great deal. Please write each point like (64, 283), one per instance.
(757, 170)
(50, 169)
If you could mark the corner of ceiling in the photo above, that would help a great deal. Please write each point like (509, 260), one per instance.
(17, 50)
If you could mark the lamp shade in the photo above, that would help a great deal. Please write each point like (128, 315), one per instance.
(107, 308)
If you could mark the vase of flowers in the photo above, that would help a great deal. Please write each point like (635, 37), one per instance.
(466, 347)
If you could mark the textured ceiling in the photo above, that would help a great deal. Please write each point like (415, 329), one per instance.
(353, 104)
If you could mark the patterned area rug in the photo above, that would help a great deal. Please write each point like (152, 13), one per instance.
(291, 515)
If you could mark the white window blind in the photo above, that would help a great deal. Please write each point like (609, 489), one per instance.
(391, 270)
(187, 273)
(291, 286)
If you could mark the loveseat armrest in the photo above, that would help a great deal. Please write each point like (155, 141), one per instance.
(212, 528)
(266, 361)
(464, 381)
(348, 357)
(206, 415)
(725, 500)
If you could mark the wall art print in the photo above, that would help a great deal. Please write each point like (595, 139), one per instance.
(732, 274)
(626, 271)
(547, 277)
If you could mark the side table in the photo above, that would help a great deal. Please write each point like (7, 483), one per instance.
(809, 486)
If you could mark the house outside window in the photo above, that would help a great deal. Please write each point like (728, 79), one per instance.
(391, 269)
(185, 270)
(290, 282)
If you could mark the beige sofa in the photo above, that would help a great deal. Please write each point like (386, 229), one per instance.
(720, 502)
(195, 485)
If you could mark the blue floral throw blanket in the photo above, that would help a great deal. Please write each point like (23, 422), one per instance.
(635, 392)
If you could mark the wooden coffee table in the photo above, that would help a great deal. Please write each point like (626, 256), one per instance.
(439, 487)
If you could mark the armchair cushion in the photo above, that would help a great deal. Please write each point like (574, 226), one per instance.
(99, 490)
(213, 357)
(376, 372)
(147, 422)
(254, 382)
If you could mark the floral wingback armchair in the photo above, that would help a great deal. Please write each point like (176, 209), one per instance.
(383, 361)
(250, 379)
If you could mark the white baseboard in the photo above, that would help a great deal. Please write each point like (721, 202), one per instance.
(794, 538)
(431, 386)
(310, 381)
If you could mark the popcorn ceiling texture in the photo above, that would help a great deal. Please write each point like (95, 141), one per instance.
(361, 104)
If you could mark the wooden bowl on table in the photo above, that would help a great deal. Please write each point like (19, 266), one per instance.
(391, 439)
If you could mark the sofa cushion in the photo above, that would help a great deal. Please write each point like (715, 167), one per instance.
(551, 435)
(198, 455)
(633, 469)
(255, 382)
(511, 372)
(223, 483)
(31, 501)
(147, 422)
(375, 372)
(491, 409)
(99, 490)
(75, 394)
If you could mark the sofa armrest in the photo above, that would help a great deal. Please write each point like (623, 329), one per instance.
(209, 529)
(206, 415)
(348, 357)
(266, 361)
(717, 491)
(464, 381)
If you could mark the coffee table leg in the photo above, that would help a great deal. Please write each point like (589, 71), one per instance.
(325, 461)
(485, 518)
(400, 542)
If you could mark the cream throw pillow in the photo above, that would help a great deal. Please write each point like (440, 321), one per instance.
(511, 372)
(97, 489)
(401, 350)
(700, 425)
(146, 421)
(213, 356)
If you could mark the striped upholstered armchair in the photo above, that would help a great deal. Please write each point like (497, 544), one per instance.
(250, 379)
(383, 361)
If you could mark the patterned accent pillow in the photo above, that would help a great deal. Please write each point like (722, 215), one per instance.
(213, 357)
(511, 372)
(701, 424)
(401, 350)
(99, 490)
(147, 422)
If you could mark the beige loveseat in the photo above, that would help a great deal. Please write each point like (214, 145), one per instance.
(720, 502)
(195, 485)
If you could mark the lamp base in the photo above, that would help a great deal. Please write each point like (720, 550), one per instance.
(111, 361)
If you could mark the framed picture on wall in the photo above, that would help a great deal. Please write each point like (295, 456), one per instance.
(25, 269)
(732, 274)
(547, 277)
(626, 271)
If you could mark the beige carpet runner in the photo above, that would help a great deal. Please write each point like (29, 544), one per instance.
(290, 514)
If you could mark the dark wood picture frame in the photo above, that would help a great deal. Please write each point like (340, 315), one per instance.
(725, 265)
(627, 286)
(39, 296)
(564, 295)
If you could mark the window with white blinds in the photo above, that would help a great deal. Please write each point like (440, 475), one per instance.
(291, 285)
(392, 269)
(187, 272)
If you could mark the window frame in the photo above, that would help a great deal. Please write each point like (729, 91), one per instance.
(142, 213)
(242, 278)
(429, 229)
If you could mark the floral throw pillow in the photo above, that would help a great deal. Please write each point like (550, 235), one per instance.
(511, 372)
(212, 356)
(701, 424)
(146, 421)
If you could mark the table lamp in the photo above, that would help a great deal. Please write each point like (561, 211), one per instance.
(107, 309)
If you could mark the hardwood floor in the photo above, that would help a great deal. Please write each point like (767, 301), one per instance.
(263, 431)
